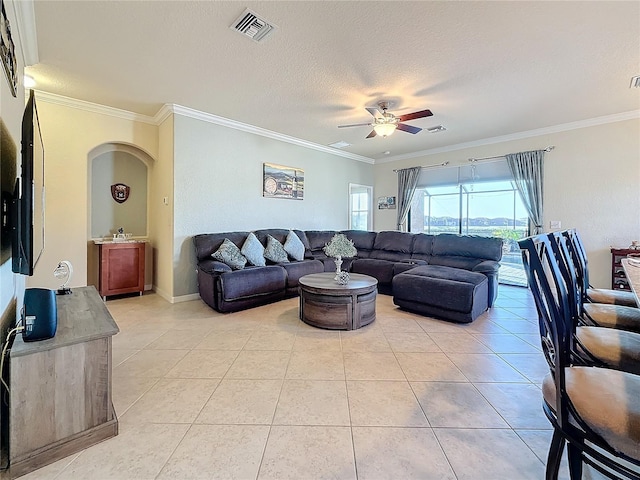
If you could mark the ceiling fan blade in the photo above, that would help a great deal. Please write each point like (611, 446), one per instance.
(408, 128)
(414, 115)
(372, 134)
(374, 111)
(354, 125)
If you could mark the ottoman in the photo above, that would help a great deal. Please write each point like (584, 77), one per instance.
(444, 292)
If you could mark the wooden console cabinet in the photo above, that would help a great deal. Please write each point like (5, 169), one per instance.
(121, 268)
(60, 400)
(619, 279)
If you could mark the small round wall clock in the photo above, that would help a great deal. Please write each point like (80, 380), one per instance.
(270, 185)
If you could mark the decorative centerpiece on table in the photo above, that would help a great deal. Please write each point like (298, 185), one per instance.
(340, 246)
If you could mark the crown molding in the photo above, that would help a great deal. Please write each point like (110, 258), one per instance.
(245, 127)
(93, 107)
(563, 127)
(169, 109)
(26, 20)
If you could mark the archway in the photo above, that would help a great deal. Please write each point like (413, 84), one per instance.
(128, 168)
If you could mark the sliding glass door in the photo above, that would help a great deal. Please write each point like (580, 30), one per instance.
(475, 205)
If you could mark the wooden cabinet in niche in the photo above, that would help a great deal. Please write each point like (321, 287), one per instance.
(121, 268)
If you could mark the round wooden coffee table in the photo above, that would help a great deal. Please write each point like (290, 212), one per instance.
(326, 304)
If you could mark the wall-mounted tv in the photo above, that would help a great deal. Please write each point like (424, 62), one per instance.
(29, 199)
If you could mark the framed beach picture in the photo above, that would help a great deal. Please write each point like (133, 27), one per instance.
(279, 181)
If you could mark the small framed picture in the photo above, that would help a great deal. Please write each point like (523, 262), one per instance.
(8, 52)
(385, 203)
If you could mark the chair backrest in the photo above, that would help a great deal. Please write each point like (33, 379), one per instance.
(579, 257)
(567, 266)
(554, 312)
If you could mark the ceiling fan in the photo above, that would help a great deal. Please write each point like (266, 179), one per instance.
(385, 123)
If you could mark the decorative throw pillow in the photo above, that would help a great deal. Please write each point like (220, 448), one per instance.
(229, 254)
(253, 250)
(275, 251)
(294, 246)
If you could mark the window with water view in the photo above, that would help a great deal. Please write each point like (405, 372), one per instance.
(489, 208)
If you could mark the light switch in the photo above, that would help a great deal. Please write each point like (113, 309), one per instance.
(555, 224)
(165, 200)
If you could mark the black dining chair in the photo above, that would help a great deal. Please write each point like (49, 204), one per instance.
(603, 347)
(594, 411)
(595, 295)
(599, 314)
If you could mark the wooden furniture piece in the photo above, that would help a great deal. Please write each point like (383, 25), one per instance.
(121, 267)
(60, 400)
(326, 304)
(632, 270)
(618, 277)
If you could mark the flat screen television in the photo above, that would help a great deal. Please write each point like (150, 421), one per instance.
(29, 198)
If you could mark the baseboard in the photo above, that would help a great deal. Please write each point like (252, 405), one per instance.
(162, 293)
(179, 299)
(186, 298)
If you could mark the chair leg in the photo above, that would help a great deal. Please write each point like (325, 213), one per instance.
(574, 455)
(555, 455)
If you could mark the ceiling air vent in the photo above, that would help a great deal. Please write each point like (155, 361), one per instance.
(252, 26)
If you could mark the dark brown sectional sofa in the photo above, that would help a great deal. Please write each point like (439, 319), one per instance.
(382, 255)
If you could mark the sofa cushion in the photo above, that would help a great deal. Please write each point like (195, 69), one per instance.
(381, 270)
(422, 246)
(253, 250)
(465, 263)
(209, 265)
(362, 240)
(252, 282)
(303, 238)
(295, 270)
(274, 251)
(473, 246)
(207, 243)
(392, 246)
(280, 234)
(229, 254)
(318, 239)
(294, 247)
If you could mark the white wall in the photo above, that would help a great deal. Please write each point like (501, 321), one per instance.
(161, 213)
(218, 188)
(107, 215)
(69, 134)
(592, 183)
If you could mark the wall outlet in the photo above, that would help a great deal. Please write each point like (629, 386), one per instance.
(555, 224)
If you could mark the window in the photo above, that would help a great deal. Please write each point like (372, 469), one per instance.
(474, 200)
(360, 206)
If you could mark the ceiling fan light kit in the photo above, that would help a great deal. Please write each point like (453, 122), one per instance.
(385, 129)
(385, 123)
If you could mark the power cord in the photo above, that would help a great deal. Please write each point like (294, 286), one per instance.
(4, 352)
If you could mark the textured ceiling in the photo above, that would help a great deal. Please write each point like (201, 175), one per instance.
(485, 69)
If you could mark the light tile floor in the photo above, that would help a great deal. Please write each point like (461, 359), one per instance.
(260, 395)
